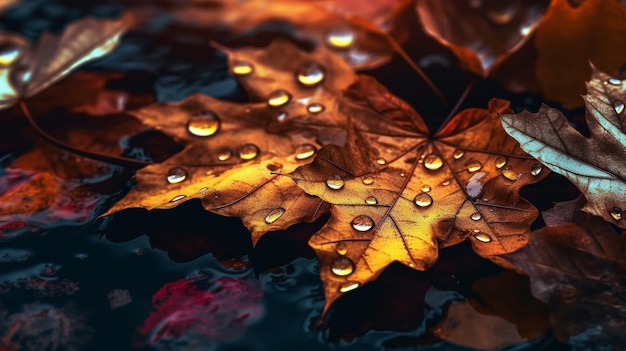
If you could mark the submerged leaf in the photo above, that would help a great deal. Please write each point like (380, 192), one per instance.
(595, 164)
(402, 196)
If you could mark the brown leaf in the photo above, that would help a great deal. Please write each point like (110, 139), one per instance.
(401, 196)
(568, 38)
(481, 34)
(26, 70)
(595, 164)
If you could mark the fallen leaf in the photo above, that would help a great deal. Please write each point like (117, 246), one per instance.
(569, 37)
(595, 164)
(578, 267)
(481, 34)
(402, 196)
(26, 70)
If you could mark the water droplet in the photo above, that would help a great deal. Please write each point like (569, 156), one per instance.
(367, 180)
(482, 237)
(618, 105)
(203, 124)
(224, 155)
(9, 53)
(446, 183)
(310, 74)
(203, 190)
(305, 151)
(510, 174)
(335, 182)
(274, 215)
(282, 117)
(278, 98)
(341, 248)
(476, 216)
(501, 162)
(381, 161)
(616, 213)
(458, 154)
(536, 168)
(473, 166)
(370, 200)
(248, 152)
(274, 167)
(177, 198)
(614, 81)
(342, 266)
(176, 175)
(362, 223)
(423, 200)
(315, 107)
(349, 286)
(426, 188)
(242, 68)
(341, 38)
(433, 162)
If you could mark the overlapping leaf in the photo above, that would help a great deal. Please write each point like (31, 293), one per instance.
(26, 70)
(401, 197)
(596, 164)
(234, 152)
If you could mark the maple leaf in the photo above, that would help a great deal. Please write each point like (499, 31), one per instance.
(577, 264)
(26, 70)
(595, 164)
(402, 196)
(480, 35)
(233, 151)
(355, 30)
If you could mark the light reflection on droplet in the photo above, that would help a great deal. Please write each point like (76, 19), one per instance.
(616, 213)
(367, 180)
(348, 287)
(278, 98)
(433, 162)
(342, 266)
(9, 53)
(177, 198)
(224, 155)
(426, 188)
(203, 124)
(335, 182)
(341, 248)
(423, 200)
(304, 151)
(242, 68)
(614, 81)
(176, 175)
(536, 169)
(362, 223)
(458, 154)
(310, 74)
(473, 166)
(341, 38)
(482, 237)
(370, 200)
(381, 161)
(618, 105)
(501, 162)
(274, 215)
(315, 107)
(248, 152)
(510, 174)
(476, 216)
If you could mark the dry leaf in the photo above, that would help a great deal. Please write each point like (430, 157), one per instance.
(595, 164)
(481, 33)
(354, 29)
(235, 152)
(568, 38)
(26, 70)
(578, 267)
(402, 196)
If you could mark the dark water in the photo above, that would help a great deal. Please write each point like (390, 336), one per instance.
(189, 280)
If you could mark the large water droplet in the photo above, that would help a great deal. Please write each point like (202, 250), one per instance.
(367, 180)
(510, 174)
(9, 53)
(362, 223)
(203, 124)
(536, 168)
(278, 98)
(342, 266)
(177, 198)
(482, 237)
(274, 215)
(248, 152)
(242, 68)
(310, 74)
(315, 107)
(341, 38)
(341, 248)
(501, 162)
(618, 105)
(349, 286)
(458, 154)
(335, 182)
(370, 200)
(614, 81)
(473, 166)
(616, 213)
(476, 216)
(423, 200)
(224, 155)
(176, 175)
(305, 151)
(433, 162)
